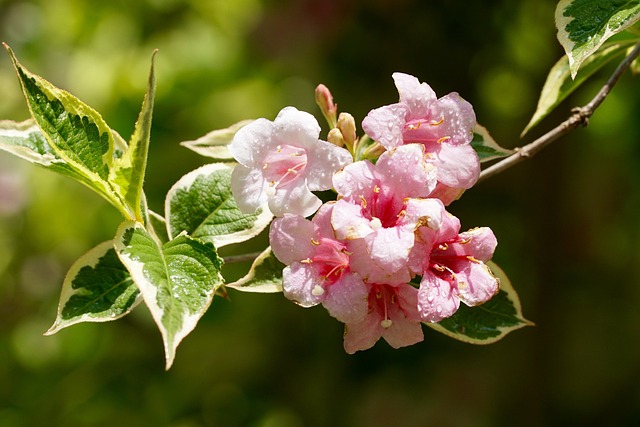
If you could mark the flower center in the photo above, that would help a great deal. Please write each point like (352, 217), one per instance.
(424, 131)
(330, 259)
(284, 165)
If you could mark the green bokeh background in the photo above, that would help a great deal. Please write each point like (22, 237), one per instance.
(566, 221)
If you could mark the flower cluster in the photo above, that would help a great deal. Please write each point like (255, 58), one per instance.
(386, 255)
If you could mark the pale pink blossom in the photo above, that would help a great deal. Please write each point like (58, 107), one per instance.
(318, 265)
(392, 314)
(453, 269)
(379, 208)
(282, 162)
(443, 125)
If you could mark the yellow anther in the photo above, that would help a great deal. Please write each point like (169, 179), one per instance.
(438, 123)
(443, 139)
(314, 242)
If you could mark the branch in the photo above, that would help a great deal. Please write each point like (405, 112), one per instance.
(579, 117)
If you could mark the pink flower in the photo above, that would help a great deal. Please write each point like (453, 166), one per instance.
(443, 125)
(392, 314)
(318, 268)
(453, 268)
(379, 210)
(282, 162)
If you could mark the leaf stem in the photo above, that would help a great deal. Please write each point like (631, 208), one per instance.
(579, 116)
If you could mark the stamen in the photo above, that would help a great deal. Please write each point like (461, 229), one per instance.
(443, 139)
(376, 189)
(438, 123)
(443, 246)
(307, 261)
(363, 202)
(314, 242)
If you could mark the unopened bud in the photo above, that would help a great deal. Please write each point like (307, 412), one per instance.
(324, 99)
(335, 137)
(347, 126)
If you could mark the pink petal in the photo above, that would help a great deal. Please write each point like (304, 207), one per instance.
(346, 299)
(457, 165)
(480, 243)
(459, 118)
(446, 194)
(415, 95)
(476, 284)
(294, 198)
(298, 284)
(249, 188)
(403, 332)
(362, 335)
(355, 181)
(349, 222)
(437, 300)
(326, 159)
(382, 256)
(385, 125)
(404, 172)
(295, 127)
(251, 143)
(290, 238)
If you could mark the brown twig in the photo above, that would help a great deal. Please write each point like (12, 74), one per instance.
(579, 116)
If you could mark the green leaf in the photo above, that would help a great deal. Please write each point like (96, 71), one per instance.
(489, 322)
(159, 226)
(265, 275)
(214, 144)
(486, 147)
(177, 279)
(128, 171)
(201, 204)
(97, 288)
(74, 131)
(559, 83)
(584, 25)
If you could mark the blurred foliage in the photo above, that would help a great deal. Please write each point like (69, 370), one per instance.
(566, 220)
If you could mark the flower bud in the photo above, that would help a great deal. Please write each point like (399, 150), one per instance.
(347, 126)
(324, 99)
(335, 137)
